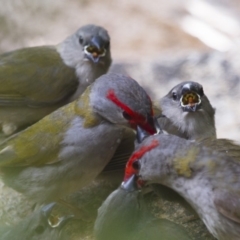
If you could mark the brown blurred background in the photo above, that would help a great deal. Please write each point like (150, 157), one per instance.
(139, 29)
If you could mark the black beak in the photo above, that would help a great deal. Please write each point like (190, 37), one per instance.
(97, 42)
(47, 209)
(142, 134)
(96, 49)
(131, 184)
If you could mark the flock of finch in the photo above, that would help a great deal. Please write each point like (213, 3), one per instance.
(64, 119)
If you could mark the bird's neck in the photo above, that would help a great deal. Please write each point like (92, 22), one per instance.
(84, 109)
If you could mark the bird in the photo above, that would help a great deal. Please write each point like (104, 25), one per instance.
(190, 115)
(67, 149)
(208, 180)
(186, 112)
(57, 221)
(223, 145)
(40, 225)
(202, 133)
(124, 215)
(35, 81)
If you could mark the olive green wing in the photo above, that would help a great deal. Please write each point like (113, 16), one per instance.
(35, 77)
(225, 146)
(40, 143)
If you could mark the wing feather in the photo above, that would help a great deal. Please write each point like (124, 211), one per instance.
(25, 74)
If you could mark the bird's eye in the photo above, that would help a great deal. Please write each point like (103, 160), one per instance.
(136, 165)
(80, 40)
(126, 116)
(39, 229)
(174, 96)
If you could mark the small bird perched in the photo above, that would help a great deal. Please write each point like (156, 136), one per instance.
(40, 225)
(187, 112)
(67, 149)
(208, 180)
(124, 215)
(37, 80)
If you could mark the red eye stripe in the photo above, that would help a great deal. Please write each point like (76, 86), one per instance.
(112, 96)
(137, 118)
(129, 170)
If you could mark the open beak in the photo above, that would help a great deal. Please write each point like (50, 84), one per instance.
(190, 102)
(95, 49)
(54, 221)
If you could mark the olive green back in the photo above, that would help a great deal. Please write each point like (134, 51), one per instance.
(28, 74)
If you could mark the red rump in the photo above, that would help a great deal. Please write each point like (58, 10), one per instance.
(129, 170)
(137, 118)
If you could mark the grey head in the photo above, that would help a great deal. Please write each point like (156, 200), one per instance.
(168, 158)
(207, 179)
(188, 112)
(121, 100)
(152, 160)
(91, 44)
